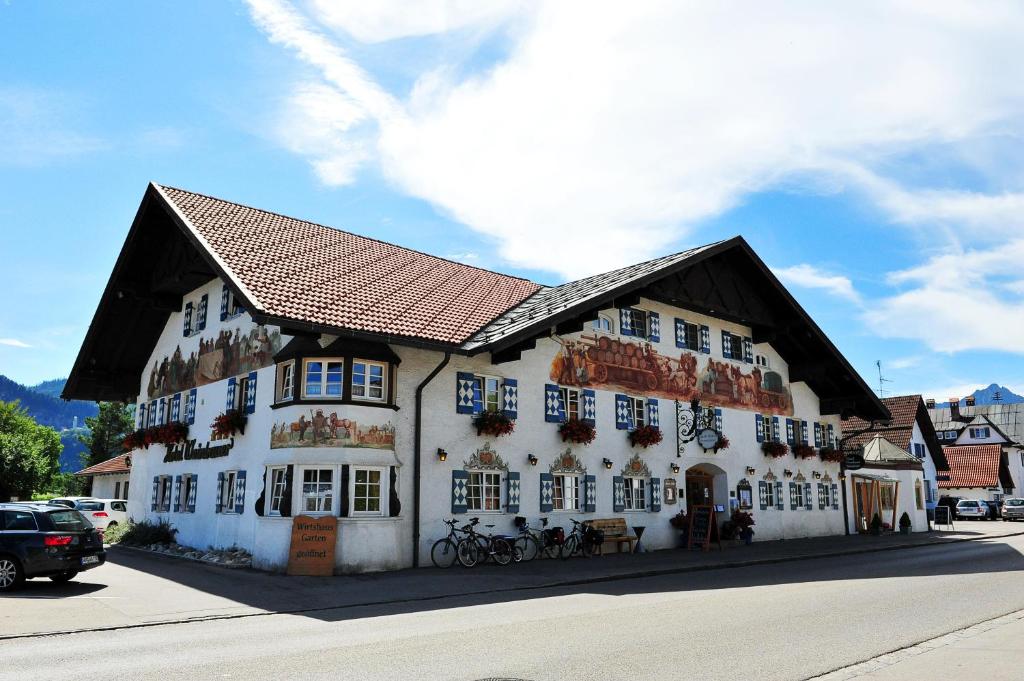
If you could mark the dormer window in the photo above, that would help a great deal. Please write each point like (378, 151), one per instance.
(345, 371)
(369, 380)
(323, 379)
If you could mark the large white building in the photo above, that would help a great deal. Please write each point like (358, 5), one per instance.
(360, 369)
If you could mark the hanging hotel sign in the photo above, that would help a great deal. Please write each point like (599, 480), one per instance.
(853, 462)
(312, 546)
(707, 439)
(185, 451)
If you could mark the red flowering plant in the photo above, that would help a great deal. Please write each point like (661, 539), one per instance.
(135, 440)
(172, 433)
(831, 454)
(645, 436)
(804, 452)
(575, 430)
(494, 423)
(775, 449)
(723, 443)
(230, 422)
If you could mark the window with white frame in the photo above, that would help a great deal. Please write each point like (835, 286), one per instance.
(317, 490)
(566, 493)
(323, 378)
(980, 433)
(285, 381)
(761, 361)
(769, 494)
(639, 408)
(826, 495)
(227, 493)
(183, 492)
(369, 380)
(571, 401)
(490, 392)
(278, 477)
(163, 497)
(241, 392)
(234, 305)
(483, 491)
(635, 494)
(801, 500)
(366, 491)
(604, 323)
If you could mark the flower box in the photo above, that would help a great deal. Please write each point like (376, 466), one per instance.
(575, 430)
(804, 452)
(645, 436)
(493, 423)
(775, 449)
(230, 422)
(831, 454)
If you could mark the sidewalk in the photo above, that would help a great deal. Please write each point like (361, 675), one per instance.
(137, 588)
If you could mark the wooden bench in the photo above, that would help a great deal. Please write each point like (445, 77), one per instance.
(615, 531)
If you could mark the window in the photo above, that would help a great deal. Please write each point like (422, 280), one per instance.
(919, 450)
(324, 378)
(638, 322)
(18, 521)
(124, 491)
(918, 495)
(163, 497)
(483, 493)
(761, 361)
(227, 493)
(604, 323)
(639, 408)
(490, 392)
(285, 381)
(117, 490)
(366, 492)
(278, 483)
(566, 493)
(636, 494)
(801, 500)
(571, 400)
(234, 307)
(187, 493)
(368, 380)
(826, 495)
(732, 346)
(980, 433)
(238, 400)
(691, 336)
(769, 494)
(317, 490)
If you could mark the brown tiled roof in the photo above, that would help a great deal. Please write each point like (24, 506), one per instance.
(298, 270)
(906, 410)
(972, 466)
(117, 464)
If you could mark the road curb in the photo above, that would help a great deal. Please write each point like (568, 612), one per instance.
(174, 555)
(640, 574)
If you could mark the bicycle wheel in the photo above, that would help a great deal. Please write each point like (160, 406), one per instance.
(502, 551)
(527, 548)
(587, 548)
(568, 548)
(468, 553)
(444, 553)
(549, 550)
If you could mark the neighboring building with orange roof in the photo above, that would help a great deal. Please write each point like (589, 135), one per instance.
(109, 479)
(977, 472)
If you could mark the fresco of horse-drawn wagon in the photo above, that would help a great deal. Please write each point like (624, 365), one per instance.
(320, 430)
(637, 367)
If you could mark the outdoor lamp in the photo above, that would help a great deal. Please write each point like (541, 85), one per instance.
(751, 470)
(532, 459)
(674, 467)
(442, 455)
(816, 475)
(608, 463)
(788, 473)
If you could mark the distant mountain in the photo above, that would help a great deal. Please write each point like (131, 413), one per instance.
(988, 395)
(53, 387)
(44, 407)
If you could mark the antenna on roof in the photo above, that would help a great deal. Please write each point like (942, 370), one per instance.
(882, 380)
(997, 396)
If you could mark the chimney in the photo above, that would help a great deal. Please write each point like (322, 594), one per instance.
(930, 403)
(969, 401)
(954, 408)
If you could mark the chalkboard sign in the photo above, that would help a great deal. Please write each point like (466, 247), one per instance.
(702, 525)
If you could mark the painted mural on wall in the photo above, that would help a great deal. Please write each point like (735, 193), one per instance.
(227, 354)
(637, 367)
(327, 430)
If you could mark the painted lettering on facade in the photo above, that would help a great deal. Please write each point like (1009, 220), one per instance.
(188, 450)
(638, 368)
(227, 354)
(331, 431)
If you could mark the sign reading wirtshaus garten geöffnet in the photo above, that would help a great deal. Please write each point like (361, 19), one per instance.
(312, 547)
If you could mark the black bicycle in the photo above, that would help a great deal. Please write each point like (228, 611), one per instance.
(476, 548)
(583, 539)
(445, 551)
(530, 543)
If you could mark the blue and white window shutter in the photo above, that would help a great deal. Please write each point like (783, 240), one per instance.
(625, 322)
(817, 434)
(759, 427)
(231, 393)
(190, 407)
(654, 324)
(460, 493)
(748, 350)
(467, 394)
(224, 295)
(589, 407)
(623, 412)
(652, 412)
(718, 419)
(554, 407)
(204, 303)
(681, 334)
(510, 398)
(250, 393)
(512, 491)
(705, 339)
(187, 330)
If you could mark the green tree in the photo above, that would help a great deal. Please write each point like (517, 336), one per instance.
(107, 431)
(29, 453)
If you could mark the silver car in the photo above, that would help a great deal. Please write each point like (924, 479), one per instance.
(969, 508)
(1013, 509)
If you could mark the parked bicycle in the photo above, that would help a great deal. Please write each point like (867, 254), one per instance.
(476, 548)
(445, 552)
(583, 539)
(530, 543)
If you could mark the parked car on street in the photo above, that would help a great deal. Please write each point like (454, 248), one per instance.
(970, 508)
(100, 512)
(45, 540)
(1013, 509)
(994, 509)
(950, 503)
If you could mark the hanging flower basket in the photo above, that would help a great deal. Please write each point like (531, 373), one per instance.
(135, 440)
(230, 422)
(494, 423)
(831, 454)
(575, 430)
(172, 433)
(645, 436)
(723, 443)
(804, 452)
(775, 449)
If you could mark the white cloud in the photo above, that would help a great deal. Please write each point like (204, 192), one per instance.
(38, 128)
(809, 276)
(14, 343)
(608, 133)
(900, 363)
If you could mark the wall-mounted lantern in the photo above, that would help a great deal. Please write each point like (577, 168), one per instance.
(532, 458)
(816, 475)
(442, 455)
(788, 473)
(675, 468)
(751, 470)
(608, 464)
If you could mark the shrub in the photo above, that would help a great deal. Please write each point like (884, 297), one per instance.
(905, 521)
(141, 534)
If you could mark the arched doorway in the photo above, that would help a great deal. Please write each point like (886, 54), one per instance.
(706, 484)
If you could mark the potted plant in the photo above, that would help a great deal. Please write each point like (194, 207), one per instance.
(775, 449)
(905, 524)
(830, 454)
(744, 523)
(876, 525)
(645, 436)
(575, 430)
(494, 423)
(804, 452)
(681, 522)
(723, 443)
(230, 422)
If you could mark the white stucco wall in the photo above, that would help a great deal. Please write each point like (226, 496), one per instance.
(103, 486)
(917, 437)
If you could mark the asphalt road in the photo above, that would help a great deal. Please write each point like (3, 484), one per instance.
(785, 621)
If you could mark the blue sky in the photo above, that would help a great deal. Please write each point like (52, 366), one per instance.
(870, 156)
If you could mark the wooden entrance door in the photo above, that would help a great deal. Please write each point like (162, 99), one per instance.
(700, 489)
(864, 500)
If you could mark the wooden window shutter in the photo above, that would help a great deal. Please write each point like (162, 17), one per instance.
(681, 334)
(394, 503)
(808, 502)
(510, 398)
(780, 503)
(618, 494)
(231, 394)
(224, 295)
(204, 303)
(817, 434)
(589, 493)
(459, 492)
(512, 491)
(792, 496)
(465, 386)
(626, 322)
(589, 406)
(554, 410)
(705, 339)
(759, 427)
(156, 490)
(193, 492)
(623, 412)
(762, 494)
(748, 350)
(220, 491)
(655, 506)
(177, 494)
(187, 325)
(652, 413)
(343, 498)
(835, 497)
(547, 492)
(654, 324)
(726, 345)
(250, 393)
(240, 492)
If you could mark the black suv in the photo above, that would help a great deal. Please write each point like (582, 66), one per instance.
(40, 540)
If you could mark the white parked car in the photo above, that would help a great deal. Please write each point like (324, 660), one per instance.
(1013, 509)
(969, 508)
(100, 512)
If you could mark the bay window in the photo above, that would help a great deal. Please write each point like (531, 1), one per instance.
(368, 380)
(285, 381)
(324, 378)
